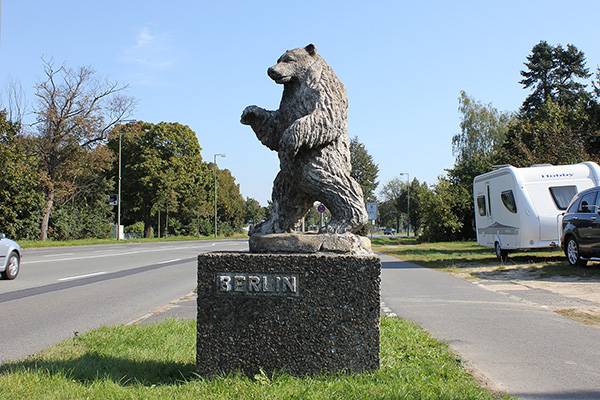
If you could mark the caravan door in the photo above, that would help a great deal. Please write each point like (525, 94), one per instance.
(490, 219)
(482, 215)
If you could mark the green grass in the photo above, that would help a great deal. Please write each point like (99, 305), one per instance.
(455, 254)
(157, 362)
(85, 242)
(481, 262)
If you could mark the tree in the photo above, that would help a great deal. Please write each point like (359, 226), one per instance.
(364, 169)
(552, 72)
(393, 210)
(483, 130)
(417, 190)
(253, 211)
(74, 113)
(230, 204)
(20, 195)
(596, 84)
(547, 138)
(162, 172)
(394, 205)
(86, 212)
(440, 221)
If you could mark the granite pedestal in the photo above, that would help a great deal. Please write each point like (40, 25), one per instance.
(298, 313)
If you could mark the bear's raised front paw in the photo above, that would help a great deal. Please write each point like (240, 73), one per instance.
(250, 115)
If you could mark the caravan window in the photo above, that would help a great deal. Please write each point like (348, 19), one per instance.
(508, 199)
(562, 195)
(481, 205)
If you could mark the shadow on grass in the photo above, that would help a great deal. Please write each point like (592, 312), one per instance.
(92, 367)
(401, 265)
(433, 251)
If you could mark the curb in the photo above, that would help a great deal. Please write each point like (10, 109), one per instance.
(163, 309)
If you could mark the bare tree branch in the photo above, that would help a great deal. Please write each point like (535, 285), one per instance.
(75, 111)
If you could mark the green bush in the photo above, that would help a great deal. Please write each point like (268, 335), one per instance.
(80, 222)
(137, 229)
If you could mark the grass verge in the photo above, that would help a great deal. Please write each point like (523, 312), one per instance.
(472, 260)
(587, 318)
(157, 362)
(28, 244)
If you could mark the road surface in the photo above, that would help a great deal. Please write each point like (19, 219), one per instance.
(521, 348)
(64, 290)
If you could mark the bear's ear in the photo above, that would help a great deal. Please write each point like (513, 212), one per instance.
(311, 49)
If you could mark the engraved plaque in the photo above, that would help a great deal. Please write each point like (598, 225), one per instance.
(235, 283)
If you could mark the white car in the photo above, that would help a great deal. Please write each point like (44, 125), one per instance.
(10, 258)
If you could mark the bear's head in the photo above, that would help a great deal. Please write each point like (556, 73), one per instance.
(296, 64)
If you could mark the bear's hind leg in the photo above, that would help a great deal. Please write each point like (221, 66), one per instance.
(343, 196)
(289, 205)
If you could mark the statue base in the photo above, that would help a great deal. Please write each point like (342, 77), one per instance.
(344, 243)
(297, 313)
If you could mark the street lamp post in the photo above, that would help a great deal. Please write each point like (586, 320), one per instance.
(408, 198)
(215, 169)
(118, 230)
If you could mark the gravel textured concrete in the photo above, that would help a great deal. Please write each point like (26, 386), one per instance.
(326, 319)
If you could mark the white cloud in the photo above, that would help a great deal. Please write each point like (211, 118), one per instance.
(144, 38)
(149, 55)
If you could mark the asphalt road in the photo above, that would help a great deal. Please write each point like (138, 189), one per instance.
(521, 348)
(64, 290)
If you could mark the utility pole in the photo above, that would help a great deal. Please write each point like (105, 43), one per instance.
(408, 199)
(215, 170)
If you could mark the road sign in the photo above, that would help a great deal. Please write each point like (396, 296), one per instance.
(321, 208)
(112, 199)
(372, 210)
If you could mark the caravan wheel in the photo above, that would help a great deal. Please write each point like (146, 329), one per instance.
(572, 253)
(501, 254)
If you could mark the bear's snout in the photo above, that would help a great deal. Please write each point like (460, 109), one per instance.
(273, 74)
(277, 76)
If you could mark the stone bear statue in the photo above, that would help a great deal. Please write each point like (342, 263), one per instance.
(310, 134)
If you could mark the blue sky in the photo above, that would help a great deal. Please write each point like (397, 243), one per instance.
(200, 63)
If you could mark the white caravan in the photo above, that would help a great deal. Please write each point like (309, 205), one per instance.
(521, 208)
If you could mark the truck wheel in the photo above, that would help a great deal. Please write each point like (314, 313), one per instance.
(572, 253)
(12, 266)
(501, 254)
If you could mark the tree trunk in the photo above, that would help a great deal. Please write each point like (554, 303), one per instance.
(148, 231)
(46, 214)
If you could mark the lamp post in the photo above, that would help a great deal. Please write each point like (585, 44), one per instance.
(408, 198)
(118, 230)
(215, 169)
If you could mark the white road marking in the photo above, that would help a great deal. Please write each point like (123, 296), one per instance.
(168, 261)
(70, 278)
(112, 254)
(59, 254)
